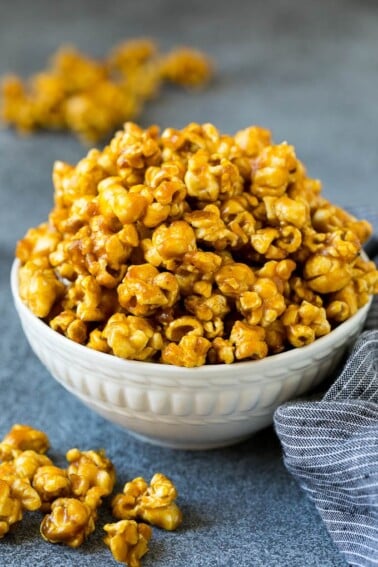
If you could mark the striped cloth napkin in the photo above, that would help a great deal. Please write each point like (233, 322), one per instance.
(331, 446)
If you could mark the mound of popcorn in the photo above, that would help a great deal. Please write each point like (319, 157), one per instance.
(70, 497)
(191, 247)
(93, 97)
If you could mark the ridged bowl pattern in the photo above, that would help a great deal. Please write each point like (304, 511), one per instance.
(185, 408)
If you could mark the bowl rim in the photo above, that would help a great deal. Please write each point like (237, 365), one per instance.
(120, 364)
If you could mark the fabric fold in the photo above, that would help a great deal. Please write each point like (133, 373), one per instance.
(331, 448)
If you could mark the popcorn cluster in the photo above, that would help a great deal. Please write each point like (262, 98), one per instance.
(94, 97)
(191, 247)
(70, 497)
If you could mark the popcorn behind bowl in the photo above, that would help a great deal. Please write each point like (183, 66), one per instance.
(185, 408)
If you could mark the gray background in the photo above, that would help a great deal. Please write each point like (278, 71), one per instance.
(308, 71)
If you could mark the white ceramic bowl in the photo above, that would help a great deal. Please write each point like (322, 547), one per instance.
(185, 408)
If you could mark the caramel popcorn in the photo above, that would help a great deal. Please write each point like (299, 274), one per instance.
(24, 438)
(16, 495)
(94, 97)
(10, 508)
(70, 522)
(154, 503)
(131, 337)
(144, 289)
(128, 541)
(90, 471)
(25, 464)
(29, 481)
(51, 482)
(186, 67)
(248, 340)
(305, 323)
(190, 247)
(191, 351)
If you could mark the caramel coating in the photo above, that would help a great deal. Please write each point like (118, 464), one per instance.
(51, 482)
(305, 323)
(70, 522)
(25, 464)
(131, 337)
(154, 503)
(144, 289)
(24, 438)
(39, 287)
(191, 247)
(186, 67)
(10, 508)
(16, 495)
(157, 504)
(90, 471)
(330, 268)
(249, 341)
(128, 541)
(191, 351)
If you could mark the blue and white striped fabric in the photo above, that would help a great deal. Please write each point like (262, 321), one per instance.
(331, 448)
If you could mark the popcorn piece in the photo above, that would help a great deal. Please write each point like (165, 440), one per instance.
(207, 309)
(210, 228)
(39, 288)
(38, 242)
(304, 323)
(25, 437)
(274, 168)
(26, 464)
(249, 341)
(234, 279)
(16, 495)
(128, 541)
(130, 337)
(186, 67)
(70, 522)
(331, 267)
(29, 498)
(144, 289)
(173, 242)
(183, 326)
(154, 503)
(208, 181)
(10, 508)
(157, 504)
(222, 350)
(263, 304)
(90, 470)
(286, 211)
(275, 336)
(125, 504)
(328, 218)
(51, 483)
(70, 325)
(191, 351)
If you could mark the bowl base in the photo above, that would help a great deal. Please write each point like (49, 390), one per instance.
(189, 445)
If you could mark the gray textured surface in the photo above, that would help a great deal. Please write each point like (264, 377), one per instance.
(309, 73)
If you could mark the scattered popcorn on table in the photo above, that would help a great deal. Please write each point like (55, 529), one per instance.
(94, 97)
(70, 497)
(191, 247)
